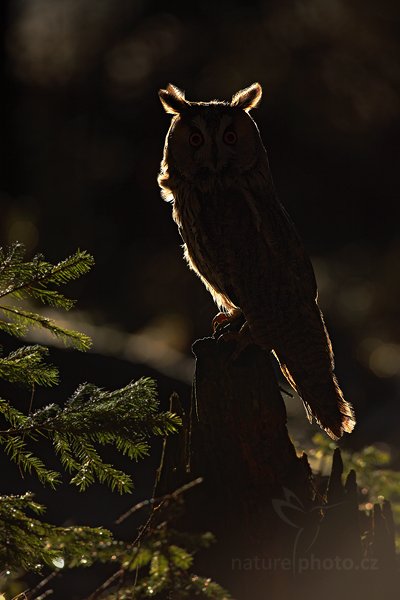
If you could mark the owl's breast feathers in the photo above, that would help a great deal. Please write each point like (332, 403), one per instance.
(243, 245)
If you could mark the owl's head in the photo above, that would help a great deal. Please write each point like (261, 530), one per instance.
(209, 138)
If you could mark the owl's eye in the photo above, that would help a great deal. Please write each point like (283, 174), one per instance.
(230, 137)
(196, 139)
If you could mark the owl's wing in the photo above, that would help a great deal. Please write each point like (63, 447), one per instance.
(281, 236)
(283, 314)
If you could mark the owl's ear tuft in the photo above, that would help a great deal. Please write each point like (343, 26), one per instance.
(173, 99)
(248, 98)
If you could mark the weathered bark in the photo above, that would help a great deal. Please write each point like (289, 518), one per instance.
(240, 442)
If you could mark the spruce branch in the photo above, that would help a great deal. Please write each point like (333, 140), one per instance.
(22, 280)
(20, 321)
(91, 467)
(26, 365)
(18, 276)
(28, 543)
(125, 418)
(130, 413)
(16, 448)
(16, 418)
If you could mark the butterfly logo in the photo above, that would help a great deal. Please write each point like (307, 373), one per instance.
(307, 521)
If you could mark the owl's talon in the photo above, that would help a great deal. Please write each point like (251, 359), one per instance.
(224, 323)
(219, 320)
(242, 338)
(228, 336)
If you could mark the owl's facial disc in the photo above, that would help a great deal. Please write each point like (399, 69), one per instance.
(212, 138)
(210, 141)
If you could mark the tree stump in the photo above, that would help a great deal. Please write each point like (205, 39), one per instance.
(274, 530)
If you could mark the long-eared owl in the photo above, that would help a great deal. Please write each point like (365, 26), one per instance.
(243, 245)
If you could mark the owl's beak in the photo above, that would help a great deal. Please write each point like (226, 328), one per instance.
(214, 165)
(214, 157)
(205, 172)
(209, 168)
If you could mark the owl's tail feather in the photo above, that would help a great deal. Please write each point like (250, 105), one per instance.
(304, 351)
(324, 401)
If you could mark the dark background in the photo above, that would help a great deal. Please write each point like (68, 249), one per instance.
(81, 143)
